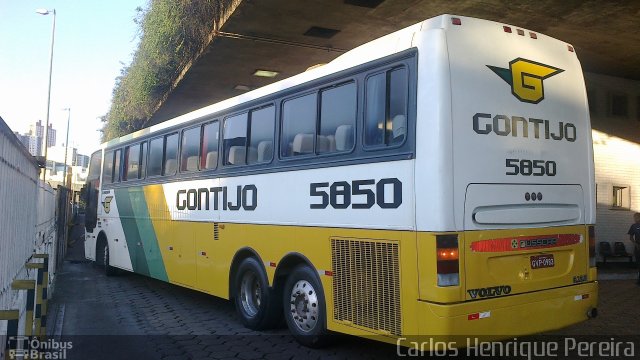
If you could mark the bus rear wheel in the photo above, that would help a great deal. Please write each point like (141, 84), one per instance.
(256, 303)
(304, 307)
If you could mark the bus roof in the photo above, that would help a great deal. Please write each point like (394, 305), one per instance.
(389, 44)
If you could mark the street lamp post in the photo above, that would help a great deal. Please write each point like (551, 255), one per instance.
(66, 147)
(46, 128)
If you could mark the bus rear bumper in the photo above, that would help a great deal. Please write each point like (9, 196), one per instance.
(503, 317)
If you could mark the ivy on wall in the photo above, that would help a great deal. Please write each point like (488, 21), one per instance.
(172, 33)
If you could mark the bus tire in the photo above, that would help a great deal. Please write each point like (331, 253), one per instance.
(305, 308)
(257, 304)
(102, 257)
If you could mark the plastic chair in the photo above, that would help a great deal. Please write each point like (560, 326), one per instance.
(619, 249)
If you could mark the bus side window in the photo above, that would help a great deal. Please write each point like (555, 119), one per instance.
(131, 162)
(235, 140)
(155, 157)
(170, 155)
(261, 135)
(337, 119)
(376, 93)
(210, 135)
(143, 161)
(116, 165)
(298, 125)
(107, 169)
(189, 154)
(398, 88)
(386, 108)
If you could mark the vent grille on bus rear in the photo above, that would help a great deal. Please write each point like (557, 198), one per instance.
(366, 284)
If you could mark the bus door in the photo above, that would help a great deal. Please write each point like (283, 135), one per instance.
(91, 195)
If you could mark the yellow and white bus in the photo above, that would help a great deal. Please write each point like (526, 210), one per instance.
(436, 181)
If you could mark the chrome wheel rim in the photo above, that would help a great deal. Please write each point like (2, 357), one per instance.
(304, 306)
(250, 293)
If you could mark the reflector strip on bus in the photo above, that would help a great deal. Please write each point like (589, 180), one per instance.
(480, 315)
(525, 243)
(325, 272)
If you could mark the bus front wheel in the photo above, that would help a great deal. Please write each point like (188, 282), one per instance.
(102, 257)
(256, 303)
(304, 307)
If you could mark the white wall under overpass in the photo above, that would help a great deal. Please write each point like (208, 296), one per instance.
(615, 115)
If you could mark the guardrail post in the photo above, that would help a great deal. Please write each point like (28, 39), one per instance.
(45, 291)
(38, 318)
(30, 286)
(12, 317)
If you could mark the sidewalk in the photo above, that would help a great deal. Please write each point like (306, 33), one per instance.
(75, 250)
(617, 271)
(84, 310)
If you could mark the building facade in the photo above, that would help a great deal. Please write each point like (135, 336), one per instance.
(56, 164)
(33, 139)
(37, 129)
(81, 161)
(614, 105)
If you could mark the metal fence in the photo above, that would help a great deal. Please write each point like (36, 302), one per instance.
(27, 220)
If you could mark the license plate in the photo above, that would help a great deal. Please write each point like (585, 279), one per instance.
(542, 261)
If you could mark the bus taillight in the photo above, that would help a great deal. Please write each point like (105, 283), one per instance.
(448, 265)
(447, 254)
(592, 246)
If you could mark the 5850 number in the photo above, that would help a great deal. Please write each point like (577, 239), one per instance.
(531, 167)
(358, 194)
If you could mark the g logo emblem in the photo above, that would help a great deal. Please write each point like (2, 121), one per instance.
(514, 244)
(525, 77)
(107, 204)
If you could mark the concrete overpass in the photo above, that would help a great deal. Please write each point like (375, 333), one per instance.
(288, 36)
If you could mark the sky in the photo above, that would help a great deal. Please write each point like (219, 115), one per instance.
(93, 41)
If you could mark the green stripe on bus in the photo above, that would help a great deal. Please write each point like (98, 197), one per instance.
(124, 198)
(152, 254)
